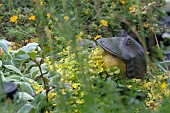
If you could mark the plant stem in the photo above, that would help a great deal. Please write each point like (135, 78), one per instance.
(42, 77)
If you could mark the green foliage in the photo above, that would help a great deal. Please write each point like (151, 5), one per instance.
(54, 73)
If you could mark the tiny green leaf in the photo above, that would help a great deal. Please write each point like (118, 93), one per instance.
(116, 70)
(27, 108)
(24, 96)
(13, 68)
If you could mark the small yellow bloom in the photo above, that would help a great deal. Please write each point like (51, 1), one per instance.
(75, 110)
(48, 15)
(41, 3)
(66, 18)
(63, 91)
(86, 12)
(56, 19)
(97, 37)
(51, 95)
(31, 18)
(75, 85)
(47, 61)
(38, 90)
(13, 18)
(10, 49)
(31, 81)
(147, 52)
(146, 24)
(26, 41)
(48, 111)
(104, 23)
(123, 1)
(0, 5)
(132, 8)
(51, 67)
(12, 43)
(79, 36)
(80, 101)
(163, 86)
(54, 105)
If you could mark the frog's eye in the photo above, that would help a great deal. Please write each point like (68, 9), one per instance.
(128, 42)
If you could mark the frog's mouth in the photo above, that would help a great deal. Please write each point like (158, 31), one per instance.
(112, 45)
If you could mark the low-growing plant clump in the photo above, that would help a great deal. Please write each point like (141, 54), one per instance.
(48, 49)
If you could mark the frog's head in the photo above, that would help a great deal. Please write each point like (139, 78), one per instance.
(129, 50)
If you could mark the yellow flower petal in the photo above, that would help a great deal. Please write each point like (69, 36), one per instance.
(13, 19)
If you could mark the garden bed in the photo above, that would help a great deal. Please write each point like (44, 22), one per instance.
(49, 52)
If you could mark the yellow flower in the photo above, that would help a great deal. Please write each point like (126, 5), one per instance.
(48, 15)
(63, 91)
(51, 67)
(163, 86)
(47, 61)
(146, 24)
(41, 3)
(13, 18)
(123, 1)
(104, 23)
(75, 85)
(147, 52)
(56, 19)
(97, 37)
(31, 18)
(48, 111)
(66, 18)
(10, 49)
(26, 41)
(37, 88)
(31, 81)
(80, 101)
(79, 36)
(0, 5)
(12, 43)
(75, 110)
(132, 8)
(86, 12)
(51, 95)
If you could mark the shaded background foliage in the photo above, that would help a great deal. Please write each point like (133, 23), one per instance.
(56, 76)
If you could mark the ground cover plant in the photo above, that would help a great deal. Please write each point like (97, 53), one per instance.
(48, 48)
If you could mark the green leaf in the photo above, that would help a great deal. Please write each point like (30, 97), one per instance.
(27, 108)
(25, 87)
(29, 47)
(13, 68)
(29, 65)
(4, 45)
(13, 77)
(116, 70)
(54, 80)
(0, 63)
(21, 55)
(23, 96)
(2, 76)
(34, 71)
(32, 55)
